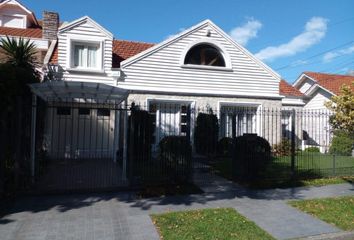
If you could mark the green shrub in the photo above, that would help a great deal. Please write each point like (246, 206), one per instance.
(283, 148)
(176, 158)
(206, 133)
(224, 146)
(342, 143)
(312, 149)
(251, 156)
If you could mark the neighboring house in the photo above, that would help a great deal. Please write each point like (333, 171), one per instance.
(292, 103)
(318, 89)
(18, 21)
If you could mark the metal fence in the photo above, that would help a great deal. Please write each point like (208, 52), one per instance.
(93, 146)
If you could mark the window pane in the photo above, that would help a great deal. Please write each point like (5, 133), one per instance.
(79, 56)
(63, 111)
(103, 112)
(92, 57)
(84, 111)
(204, 54)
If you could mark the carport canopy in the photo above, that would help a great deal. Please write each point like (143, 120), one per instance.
(79, 92)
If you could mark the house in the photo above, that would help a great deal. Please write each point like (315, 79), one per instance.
(91, 79)
(318, 89)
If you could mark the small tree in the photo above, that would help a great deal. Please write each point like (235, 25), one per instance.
(206, 133)
(17, 70)
(343, 107)
(342, 143)
(19, 53)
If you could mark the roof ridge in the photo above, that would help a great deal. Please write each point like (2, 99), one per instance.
(131, 41)
(342, 75)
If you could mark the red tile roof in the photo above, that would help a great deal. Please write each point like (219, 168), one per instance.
(121, 50)
(331, 82)
(125, 49)
(287, 90)
(21, 32)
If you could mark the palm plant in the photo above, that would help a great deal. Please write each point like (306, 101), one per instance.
(16, 72)
(19, 53)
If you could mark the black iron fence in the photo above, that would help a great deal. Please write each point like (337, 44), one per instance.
(90, 146)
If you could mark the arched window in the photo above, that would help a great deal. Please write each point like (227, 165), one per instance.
(204, 54)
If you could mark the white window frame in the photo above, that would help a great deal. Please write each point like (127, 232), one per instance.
(23, 17)
(191, 102)
(288, 120)
(213, 43)
(258, 117)
(72, 41)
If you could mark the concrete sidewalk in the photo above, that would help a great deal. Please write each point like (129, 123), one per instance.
(122, 216)
(269, 210)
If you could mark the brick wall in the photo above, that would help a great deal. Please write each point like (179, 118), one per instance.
(50, 25)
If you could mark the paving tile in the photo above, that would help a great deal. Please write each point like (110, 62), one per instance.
(118, 216)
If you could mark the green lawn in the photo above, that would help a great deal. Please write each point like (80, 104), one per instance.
(337, 211)
(318, 161)
(313, 169)
(221, 223)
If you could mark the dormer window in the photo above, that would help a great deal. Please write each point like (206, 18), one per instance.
(204, 54)
(86, 56)
(12, 21)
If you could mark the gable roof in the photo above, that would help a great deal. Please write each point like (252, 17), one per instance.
(287, 90)
(83, 19)
(21, 32)
(331, 82)
(121, 51)
(195, 28)
(29, 12)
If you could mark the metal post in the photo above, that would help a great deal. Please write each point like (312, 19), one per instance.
(33, 135)
(293, 115)
(116, 134)
(334, 165)
(233, 126)
(125, 141)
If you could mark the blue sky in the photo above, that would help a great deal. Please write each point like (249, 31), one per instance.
(289, 36)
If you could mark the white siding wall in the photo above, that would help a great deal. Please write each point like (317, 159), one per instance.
(316, 120)
(88, 32)
(162, 71)
(318, 100)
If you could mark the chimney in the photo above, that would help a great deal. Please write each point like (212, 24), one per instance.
(50, 25)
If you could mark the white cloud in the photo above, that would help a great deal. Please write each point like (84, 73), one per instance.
(246, 32)
(328, 57)
(315, 30)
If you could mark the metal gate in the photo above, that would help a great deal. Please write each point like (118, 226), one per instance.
(80, 147)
